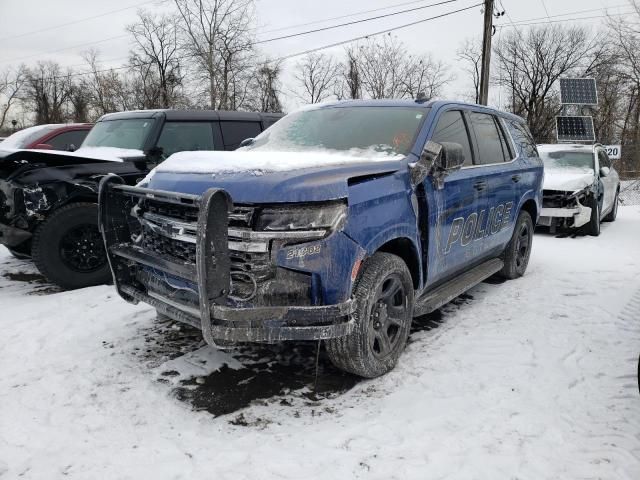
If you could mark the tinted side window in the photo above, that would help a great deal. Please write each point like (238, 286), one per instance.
(185, 136)
(235, 132)
(451, 128)
(68, 140)
(490, 149)
(507, 148)
(523, 137)
(603, 159)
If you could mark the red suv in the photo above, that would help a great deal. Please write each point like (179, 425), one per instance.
(56, 136)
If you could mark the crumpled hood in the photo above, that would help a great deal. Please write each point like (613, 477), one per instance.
(569, 180)
(309, 178)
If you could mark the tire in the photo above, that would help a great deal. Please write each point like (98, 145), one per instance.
(516, 255)
(593, 227)
(611, 216)
(68, 248)
(374, 346)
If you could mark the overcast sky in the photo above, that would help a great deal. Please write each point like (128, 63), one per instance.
(26, 33)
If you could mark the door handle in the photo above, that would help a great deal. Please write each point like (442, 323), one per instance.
(480, 185)
(516, 178)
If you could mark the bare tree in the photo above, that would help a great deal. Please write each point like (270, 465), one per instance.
(105, 89)
(533, 62)
(317, 75)
(47, 91)
(424, 75)
(349, 83)
(268, 86)
(470, 54)
(382, 68)
(11, 83)
(217, 36)
(156, 47)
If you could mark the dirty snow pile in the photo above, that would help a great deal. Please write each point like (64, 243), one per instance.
(529, 379)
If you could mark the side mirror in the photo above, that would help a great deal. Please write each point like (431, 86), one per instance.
(451, 157)
(245, 142)
(604, 171)
(43, 146)
(71, 148)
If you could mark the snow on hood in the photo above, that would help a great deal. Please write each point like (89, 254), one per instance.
(111, 154)
(257, 162)
(568, 180)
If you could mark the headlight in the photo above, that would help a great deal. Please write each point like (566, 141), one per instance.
(581, 194)
(328, 216)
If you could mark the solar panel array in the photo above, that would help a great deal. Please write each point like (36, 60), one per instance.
(578, 91)
(575, 129)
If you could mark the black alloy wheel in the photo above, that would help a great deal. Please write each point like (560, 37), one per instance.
(388, 316)
(82, 250)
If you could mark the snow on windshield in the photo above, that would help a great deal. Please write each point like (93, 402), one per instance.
(355, 131)
(24, 137)
(574, 161)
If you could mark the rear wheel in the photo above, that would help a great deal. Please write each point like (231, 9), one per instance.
(516, 255)
(611, 216)
(68, 247)
(383, 294)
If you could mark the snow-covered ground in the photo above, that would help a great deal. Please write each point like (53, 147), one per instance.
(529, 379)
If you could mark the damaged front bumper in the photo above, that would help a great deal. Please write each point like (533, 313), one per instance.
(12, 236)
(563, 209)
(197, 287)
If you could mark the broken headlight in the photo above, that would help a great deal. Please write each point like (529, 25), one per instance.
(328, 216)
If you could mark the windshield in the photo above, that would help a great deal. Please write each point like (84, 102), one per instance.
(27, 136)
(355, 131)
(128, 133)
(565, 159)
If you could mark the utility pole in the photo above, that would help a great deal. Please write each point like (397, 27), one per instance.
(486, 51)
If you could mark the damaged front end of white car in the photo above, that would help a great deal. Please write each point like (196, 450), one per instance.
(566, 209)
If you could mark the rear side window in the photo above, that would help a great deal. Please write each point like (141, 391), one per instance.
(451, 127)
(68, 140)
(185, 136)
(490, 142)
(235, 132)
(523, 137)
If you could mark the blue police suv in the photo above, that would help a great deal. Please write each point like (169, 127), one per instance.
(340, 223)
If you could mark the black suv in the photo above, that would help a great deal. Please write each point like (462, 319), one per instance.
(48, 200)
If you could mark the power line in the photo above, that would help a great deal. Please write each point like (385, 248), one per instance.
(65, 48)
(566, 13)
(330, 27)
(348, 15)
(381, 32)
(525, 23)
(305, 52)
(80, 20)
(545, 10)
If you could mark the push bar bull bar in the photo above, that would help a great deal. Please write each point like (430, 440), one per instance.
(211, 273)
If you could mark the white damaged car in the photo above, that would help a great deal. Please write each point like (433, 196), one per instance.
(580, 187)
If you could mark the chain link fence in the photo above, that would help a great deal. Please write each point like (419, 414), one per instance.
(628, 167)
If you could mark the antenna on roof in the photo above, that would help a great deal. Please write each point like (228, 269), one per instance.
(421, 97)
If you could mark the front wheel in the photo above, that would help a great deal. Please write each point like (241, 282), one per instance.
(68, 247)
(516, 255)
(383, 294)
(593, 227)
